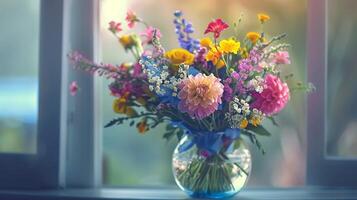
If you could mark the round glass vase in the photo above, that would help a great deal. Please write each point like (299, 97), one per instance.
(213, 176)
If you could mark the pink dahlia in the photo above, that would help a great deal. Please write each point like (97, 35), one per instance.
(200, 95)
(274, 96)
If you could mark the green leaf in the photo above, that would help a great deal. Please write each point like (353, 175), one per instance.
(132, 123)
(259, 130)
(169, 127)
(179, 134)
(254, 140)
(113, 122)
(272, 119)
(168, 135)
(237, 143)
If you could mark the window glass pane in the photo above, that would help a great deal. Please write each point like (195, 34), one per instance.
(134, 159)
(341, 79)
(19, 22)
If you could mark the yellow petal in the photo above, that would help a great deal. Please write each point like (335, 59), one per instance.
(206, 42)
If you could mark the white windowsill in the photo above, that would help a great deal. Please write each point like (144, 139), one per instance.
(172, 193)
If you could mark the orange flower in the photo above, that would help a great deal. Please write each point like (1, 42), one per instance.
(142, 126)
(263, 17)
(215, 57)
(243, 124)
(253, 36)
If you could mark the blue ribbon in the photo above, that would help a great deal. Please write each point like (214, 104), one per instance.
(209, 141)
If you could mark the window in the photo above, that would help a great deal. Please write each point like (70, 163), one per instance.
(329, 70)
(65, 138)
(19, 169)
(19, 77)
(341, 76)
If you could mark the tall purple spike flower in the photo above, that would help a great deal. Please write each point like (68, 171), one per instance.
(184, 29)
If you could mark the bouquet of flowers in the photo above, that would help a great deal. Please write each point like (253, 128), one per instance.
(213, 92)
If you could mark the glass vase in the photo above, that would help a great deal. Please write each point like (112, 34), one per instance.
(204, 175)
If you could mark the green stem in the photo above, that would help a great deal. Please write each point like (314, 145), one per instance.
(209, 175)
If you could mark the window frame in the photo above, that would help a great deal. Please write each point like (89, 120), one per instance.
(81, 114)
(65, 25)
(56, 165)
(322, 169)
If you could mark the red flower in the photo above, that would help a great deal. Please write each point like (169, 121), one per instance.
(216, 27)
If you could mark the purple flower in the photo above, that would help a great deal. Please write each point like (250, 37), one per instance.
(235, 75)
(201, 57)
(184, 29)
(227, 90)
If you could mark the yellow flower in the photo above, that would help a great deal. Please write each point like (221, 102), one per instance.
(120, 106)
(206, 42)
(244, 123)
(179, 56)
(142, 126)
(263, 17)
(215, 57)
(229, 46)
(253, 36)
(220, 64)
(128, 41)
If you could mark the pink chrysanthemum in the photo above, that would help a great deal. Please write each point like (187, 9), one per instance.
(281, 57)
(200, 95)
(274, 96)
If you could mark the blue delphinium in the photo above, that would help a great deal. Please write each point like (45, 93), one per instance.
(183, 29)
